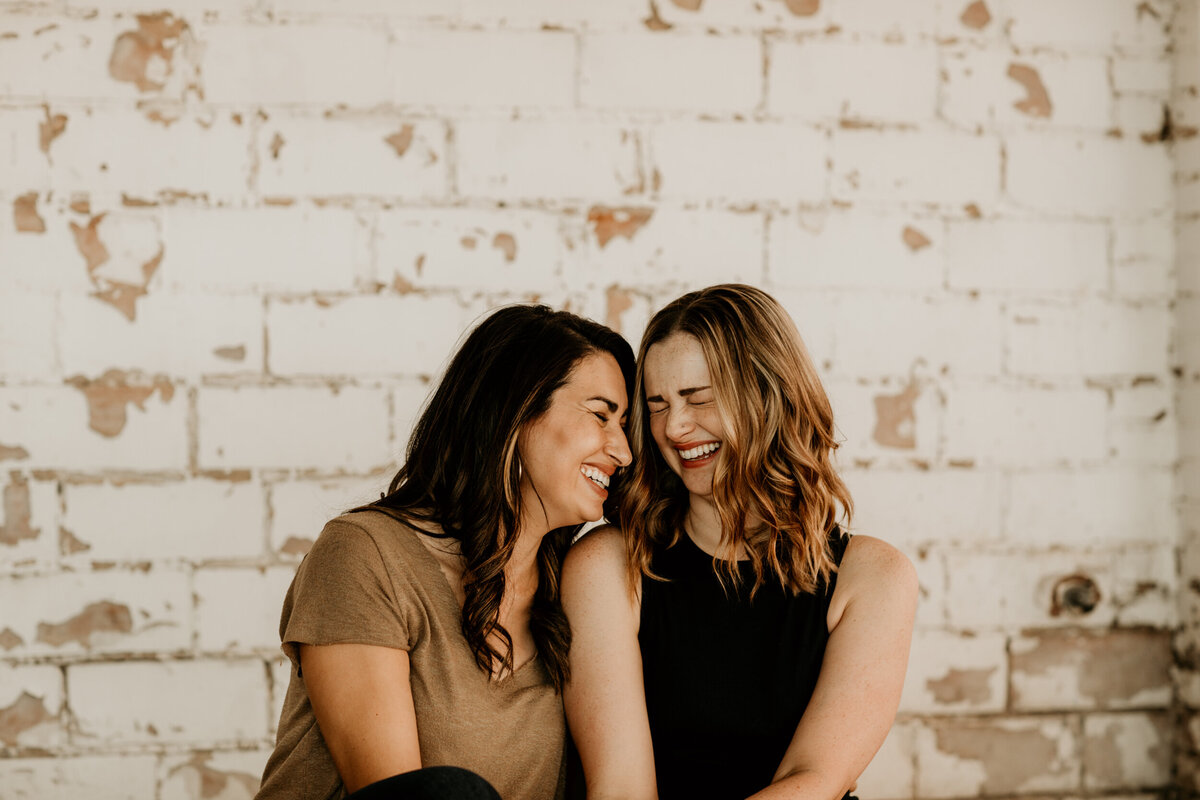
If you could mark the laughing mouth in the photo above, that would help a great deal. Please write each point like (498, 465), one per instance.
(595, 476)
(699, 451)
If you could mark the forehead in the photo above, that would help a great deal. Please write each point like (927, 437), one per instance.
(676, 362)
(596, 374)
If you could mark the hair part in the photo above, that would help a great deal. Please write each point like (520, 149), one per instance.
(462, 469)
(775, 488)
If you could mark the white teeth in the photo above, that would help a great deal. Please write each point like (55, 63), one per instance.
(701, 450)
(595, 475)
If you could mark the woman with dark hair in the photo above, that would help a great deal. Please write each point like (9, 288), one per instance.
(729, 640)
(427, 639)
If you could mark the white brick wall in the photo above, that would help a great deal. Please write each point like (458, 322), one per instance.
(965, 205)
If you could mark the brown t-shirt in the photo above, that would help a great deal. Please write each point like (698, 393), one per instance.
(369, 580)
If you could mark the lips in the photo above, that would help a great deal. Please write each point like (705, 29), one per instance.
(698, 454)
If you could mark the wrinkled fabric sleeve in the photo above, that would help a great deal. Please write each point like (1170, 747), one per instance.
(343, 594)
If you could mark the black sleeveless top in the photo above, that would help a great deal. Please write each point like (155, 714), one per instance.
(726, 678)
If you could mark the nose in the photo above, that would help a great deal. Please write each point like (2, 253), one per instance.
(617, 447)
(679, 423)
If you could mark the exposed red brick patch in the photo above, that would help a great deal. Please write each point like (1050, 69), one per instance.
(50, 129)
(17, 512)
(129, 201)
(25, 214)
(27, 712)
(9, 639)
(468, 242)
(87, 241)
(236, 353)
(976, 15)
(164, 118)
(108, 396)
(609, 222)
(403, 285)
(102, 617)
(144, 56)
(204, 782)
(401, 140)
(69, 544)
(279, 201)
(618, 301)
(13, 452)
(1009, 757)
(915, 239)
(1111, 666)
(973, 211)
(688, 5)
(296, 546)
(80, 204)
(895, 420)
(655, 22)
(505, 243)
(122, 295)
(1036, 102)
(276, 145)
(803, 8)
(962, 686)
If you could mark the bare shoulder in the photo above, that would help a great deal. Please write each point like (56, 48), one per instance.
(874, 573)
(596, 571)
(599, 551)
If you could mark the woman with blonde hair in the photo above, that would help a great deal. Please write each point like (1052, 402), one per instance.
(729, 640)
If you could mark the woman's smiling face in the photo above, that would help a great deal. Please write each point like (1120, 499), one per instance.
(684, 420)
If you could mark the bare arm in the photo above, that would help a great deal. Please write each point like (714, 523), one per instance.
(361, 697)
(605, 700)
(862, 674)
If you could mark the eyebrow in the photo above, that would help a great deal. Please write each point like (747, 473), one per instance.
(612, 407)
(682, 393)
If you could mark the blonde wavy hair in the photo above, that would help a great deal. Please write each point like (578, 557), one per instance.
(775, 487)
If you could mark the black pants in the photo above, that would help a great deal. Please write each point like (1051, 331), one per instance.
(430, 783)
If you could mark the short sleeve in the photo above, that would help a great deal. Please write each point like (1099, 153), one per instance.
(343, 594)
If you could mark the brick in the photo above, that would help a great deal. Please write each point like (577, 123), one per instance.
(909, 431)
(1093, 339)
(682, 247)
(1092, 508)
(183, 335)
(955, 673)
(1126, 751)
(303, 155)
(960, 506)
(1142, 75)
(273, 427)
(1101, 26)
(738, 162)
(116, 777)
(680, 72)
(348, 336)
(930, 167)
(883, 18)
(236, 773)
(953, 19)
(237, 610)
(1013, 255)
(932, 582)
(31, 707)
(1060, 174)
(52, 425)
(556, 159)
(204, 155)
(1079, 669)
(42, 263)
(1187, 241)
(1146, 585)
(855, 249)
(961, 758)
(250, 250)
(891, 773)
(29, 522)
(469, 249)
(281, 670)
(1141, 425)
(832, 80)
(482, 68)
(1187, 316)
(815, 313)
(739, 15)
(1143, 255)
(1139, 117)
(980, 90)
(301, 508)
(408, 399)
(195, 520)
(28, 330)
(1058, 426)
(159, 702)
(906, 330)
(23, 168)
(327, 64)
(111, 611)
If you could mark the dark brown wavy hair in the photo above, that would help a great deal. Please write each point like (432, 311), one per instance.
(462, 470)
(775, 469)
